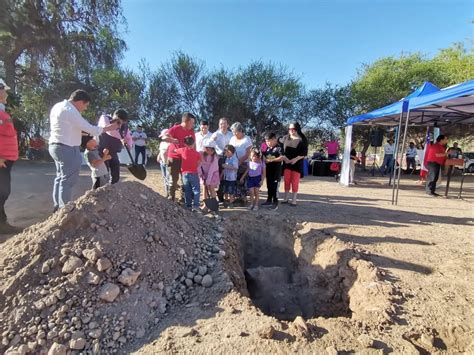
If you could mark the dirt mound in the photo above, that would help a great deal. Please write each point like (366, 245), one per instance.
(103, 271)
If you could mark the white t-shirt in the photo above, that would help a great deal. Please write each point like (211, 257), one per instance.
(221, 140)
(141, 138)
(241, 145)
(200, 140)
(389, 148)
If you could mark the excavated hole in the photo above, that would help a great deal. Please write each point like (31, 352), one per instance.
(283, 286)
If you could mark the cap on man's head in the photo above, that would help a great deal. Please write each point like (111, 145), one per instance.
(3, 85)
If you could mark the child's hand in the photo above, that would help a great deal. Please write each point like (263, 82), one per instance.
(107, 157)
(105, 151)
(241, 180)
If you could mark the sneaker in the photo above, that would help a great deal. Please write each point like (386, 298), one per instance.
(267, 203)
(255, 208)
(274, 207)
(250, 208)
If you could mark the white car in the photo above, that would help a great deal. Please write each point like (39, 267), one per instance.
(469, 162)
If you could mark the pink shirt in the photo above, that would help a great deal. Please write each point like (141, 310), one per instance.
(104, 120)
(332, 147)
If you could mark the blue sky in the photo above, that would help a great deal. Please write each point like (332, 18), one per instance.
(318, 41)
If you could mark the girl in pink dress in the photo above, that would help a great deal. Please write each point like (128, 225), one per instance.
(209, 171)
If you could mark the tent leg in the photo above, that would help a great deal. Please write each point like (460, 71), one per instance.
(396, 157)
(403, 145)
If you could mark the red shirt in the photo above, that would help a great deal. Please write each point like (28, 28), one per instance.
(434, 149)
(190, 159)
(178, 132)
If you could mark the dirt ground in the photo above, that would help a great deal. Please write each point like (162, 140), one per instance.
(419, 256)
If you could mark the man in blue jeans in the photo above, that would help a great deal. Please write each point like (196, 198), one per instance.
(387, 165)
(67, 125)
(190, 162)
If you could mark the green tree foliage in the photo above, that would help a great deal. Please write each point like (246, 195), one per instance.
(36, 36)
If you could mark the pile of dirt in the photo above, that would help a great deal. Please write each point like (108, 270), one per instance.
(103, 271)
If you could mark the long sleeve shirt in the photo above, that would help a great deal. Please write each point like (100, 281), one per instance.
(104, 120)
(67, 124)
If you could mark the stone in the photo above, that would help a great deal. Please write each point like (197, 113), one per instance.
(128, 277)
(92, 254)
(365, 341)
(186, 332)
(96, 333)
(190, 275)
(198, 279)
(103, 264)
(77, 344)
(266, 332)
(92, 278)
(71, 264)
(45, 268)
(57, 349)
(207, 281)
(202, 270)
(188, 282)
(109, 292)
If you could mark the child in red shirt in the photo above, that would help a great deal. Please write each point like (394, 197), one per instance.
(190, 162)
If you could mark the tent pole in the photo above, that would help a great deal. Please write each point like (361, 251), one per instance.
(403, 145)
(396, 157)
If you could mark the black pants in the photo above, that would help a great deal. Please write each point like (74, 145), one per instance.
(5, 188)
(433, 175)
(272, 187)
(220, 192)
(114, 168)
(138, 151)
(411, 163)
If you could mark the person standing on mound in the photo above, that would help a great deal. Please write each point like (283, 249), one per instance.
(67, 125)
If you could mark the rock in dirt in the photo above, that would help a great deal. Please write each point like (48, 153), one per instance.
(128, 277)
(207, 281)
(109, 292)
(77, 344)
(71, 264)
(300, 326)
(266, 332)
(92, 254)
(57, 349)
(365, 341)
(103, 264)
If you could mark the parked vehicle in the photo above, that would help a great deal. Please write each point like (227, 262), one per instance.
(469, 162)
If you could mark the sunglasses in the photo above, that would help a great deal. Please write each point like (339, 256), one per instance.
(292, 129)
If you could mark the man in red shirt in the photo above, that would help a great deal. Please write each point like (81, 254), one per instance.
(190, 161)
(436, 157)
(176, 136)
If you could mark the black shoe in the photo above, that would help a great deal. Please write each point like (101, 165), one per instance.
(274, 207)
(436, 194)
(267, 203)
(431, 194)
(6, 228)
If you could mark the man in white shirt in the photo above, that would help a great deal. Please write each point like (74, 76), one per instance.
(222, 137)
(66, 125)
(139, 138)
(410, 155)
(202, 135)
(388, 150)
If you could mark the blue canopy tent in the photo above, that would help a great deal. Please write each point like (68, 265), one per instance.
(427, 106)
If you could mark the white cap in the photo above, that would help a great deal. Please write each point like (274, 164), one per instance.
(5, 86)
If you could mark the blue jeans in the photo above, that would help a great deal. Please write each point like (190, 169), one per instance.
(164, 174)
(68, 162)
(192, 189)
(387, 164)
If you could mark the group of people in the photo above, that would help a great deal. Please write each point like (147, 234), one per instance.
(228, 164)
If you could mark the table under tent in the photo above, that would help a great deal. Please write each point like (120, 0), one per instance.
(426, 106)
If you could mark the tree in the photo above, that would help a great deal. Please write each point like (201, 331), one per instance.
(46, 34)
